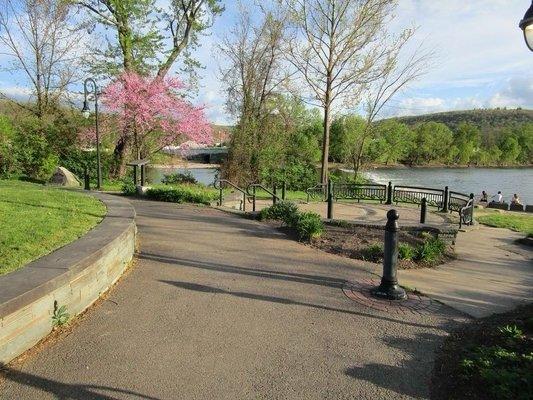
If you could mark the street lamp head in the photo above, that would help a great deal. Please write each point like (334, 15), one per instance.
(86, 112)
(527, 26)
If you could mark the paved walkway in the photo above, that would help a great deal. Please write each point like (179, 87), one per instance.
(490, 275)
(220, 307)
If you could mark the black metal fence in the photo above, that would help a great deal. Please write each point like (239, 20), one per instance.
(415, 194)
(354, 191)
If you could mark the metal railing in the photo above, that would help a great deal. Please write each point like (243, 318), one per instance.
(317, 191)
(458, 201)
(253, 194)
(219, 184)
(356, 191)
(415, 194)
(466, 213)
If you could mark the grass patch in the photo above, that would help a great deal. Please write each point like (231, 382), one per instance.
(37, 220)
(488, 359)
(513, 221)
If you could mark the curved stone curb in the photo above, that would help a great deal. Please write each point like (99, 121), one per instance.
(74, 276)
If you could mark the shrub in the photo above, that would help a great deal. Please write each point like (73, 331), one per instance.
(129, 189)
(178, 178)
(309, 226)
(285, 211)
(406, 251)
(183, 194)
(431, 250)
(34, 155)
(373, 252)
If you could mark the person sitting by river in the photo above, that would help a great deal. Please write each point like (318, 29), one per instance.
(484, 197)
(498, 198)
(515, 200)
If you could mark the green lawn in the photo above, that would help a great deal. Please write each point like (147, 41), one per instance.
(35, 220)
(518, 222)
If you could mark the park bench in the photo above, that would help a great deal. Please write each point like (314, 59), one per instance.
(499, 206)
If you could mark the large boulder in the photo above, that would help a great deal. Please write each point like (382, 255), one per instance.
(64, 177)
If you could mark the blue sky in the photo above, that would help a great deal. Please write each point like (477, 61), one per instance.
(482, 60)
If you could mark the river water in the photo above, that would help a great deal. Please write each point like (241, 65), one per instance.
(206, 176)
(464, 180)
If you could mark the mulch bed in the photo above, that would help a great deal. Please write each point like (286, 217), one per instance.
(352, 242)
(448, 382)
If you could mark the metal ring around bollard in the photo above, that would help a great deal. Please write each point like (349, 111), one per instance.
(389, 288)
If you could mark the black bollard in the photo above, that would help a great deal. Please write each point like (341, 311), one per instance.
(423, 210)
(389, 288)
(330, 199)
(274, 192)
(220, 195)
(253, 198)
(86, 179)
(472, 209)
(446, 200)
(389, 194)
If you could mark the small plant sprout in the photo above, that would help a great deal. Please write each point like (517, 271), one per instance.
(60, 316)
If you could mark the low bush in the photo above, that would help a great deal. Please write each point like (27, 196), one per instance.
(373, 253)
(431, 250)
(309, 226)
(285, 211)
(183, 194)
(129, 189)
(406, 251)
(178, 178)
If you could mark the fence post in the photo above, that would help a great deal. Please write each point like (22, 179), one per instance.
(283, 190)
(253, 202)
(142, 175)
(446, 200)
(274, 191)
(389, 194)
(472, 211)
(389, 288)
(86, 179)
(244, 202)
(330, 199)
(220, 195)
(135, 175)
(423, 210)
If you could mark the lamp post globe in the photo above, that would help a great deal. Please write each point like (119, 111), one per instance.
(86, 112)
(90, 86)
(527, 26)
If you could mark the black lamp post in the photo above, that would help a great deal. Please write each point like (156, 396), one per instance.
(86, 113)
(527, 26)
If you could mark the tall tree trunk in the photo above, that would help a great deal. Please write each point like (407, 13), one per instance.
(325, 140)
(119, 157)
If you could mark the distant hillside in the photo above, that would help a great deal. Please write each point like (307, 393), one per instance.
(497, 118)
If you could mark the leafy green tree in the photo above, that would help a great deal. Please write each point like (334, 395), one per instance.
(346, 132)
(432, 143)
(398, 138)
(510, 149)
(467, 140)
(7, 158)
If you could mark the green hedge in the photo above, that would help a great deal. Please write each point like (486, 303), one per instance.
(183, 194)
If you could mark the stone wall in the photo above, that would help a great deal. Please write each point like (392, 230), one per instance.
(74, 276)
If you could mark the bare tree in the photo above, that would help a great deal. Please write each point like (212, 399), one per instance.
(148, 37)
(336, 48)
(395, 75)
(41, 40)
(253, 76)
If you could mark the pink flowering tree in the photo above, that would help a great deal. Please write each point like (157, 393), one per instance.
(152, 113)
